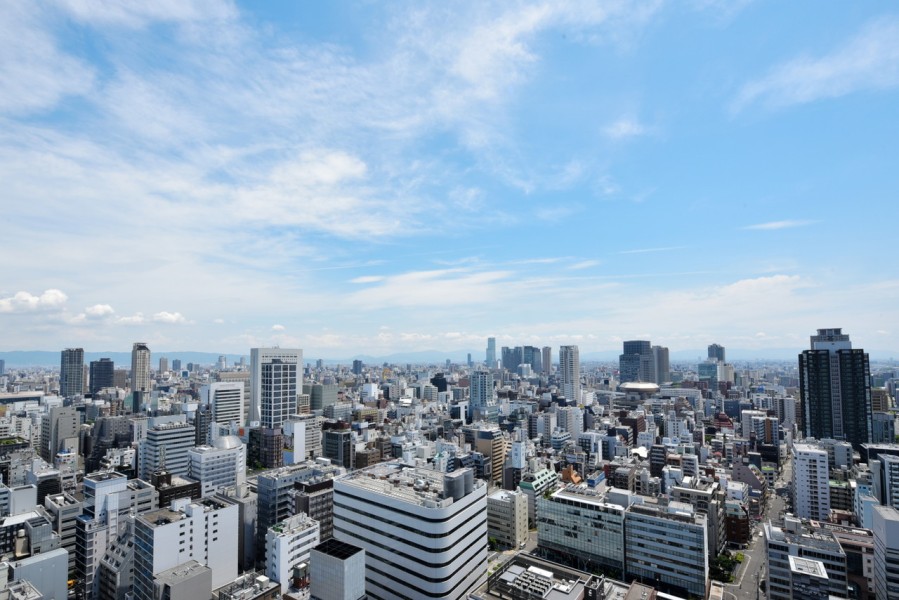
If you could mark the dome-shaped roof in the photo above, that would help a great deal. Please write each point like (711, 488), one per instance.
(226, 442)
(639, 386)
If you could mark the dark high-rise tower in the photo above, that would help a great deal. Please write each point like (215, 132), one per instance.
(637, 363)
(716, 352)
(102, 374)
(71, 372)
(835, 389)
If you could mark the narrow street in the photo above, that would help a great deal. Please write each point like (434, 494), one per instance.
(752, 572)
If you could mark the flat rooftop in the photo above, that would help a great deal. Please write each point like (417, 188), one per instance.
(337, 549)
(806, 566)
(413, 485)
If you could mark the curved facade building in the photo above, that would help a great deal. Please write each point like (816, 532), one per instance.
(424, 532)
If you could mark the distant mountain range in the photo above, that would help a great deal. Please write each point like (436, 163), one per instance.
(42, 358)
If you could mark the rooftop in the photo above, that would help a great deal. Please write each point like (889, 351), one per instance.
(806, 566)
(337, 549)
(424, 487)
(184, 571)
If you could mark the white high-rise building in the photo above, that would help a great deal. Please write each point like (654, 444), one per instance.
(302, 438)
(886, 552)
(571, 419)
(570, 373)
(275, 381)
(287, 545)
(507, 518)
(140, 368)
(481, 389)
(226, 399)
(202, 530)
(746, 421)
(886, 479)
(109, 499)
(811, 491)
(394, 512)
(166, 445)
(224, 464)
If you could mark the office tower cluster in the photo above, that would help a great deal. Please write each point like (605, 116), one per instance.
(515, 477)
(642, 362)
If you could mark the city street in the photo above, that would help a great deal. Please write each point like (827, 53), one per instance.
(752, 571)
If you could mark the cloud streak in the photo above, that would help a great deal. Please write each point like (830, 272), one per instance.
(775, 225)
(867, 61)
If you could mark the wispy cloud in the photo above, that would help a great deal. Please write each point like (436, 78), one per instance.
(554, 214)
(99, 310)
(170, 318)
(649, 250)
(584, 264)
(625, 128)
(774, 225)
(868, 61)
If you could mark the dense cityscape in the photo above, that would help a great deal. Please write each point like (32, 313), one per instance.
(470, 300)
(525, 473)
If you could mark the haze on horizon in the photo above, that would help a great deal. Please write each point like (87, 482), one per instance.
(357, 178)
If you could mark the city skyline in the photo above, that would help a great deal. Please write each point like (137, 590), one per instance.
(370, 179)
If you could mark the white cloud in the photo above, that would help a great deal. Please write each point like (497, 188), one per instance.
(554, 214)
(367, 279)
(278, 327)
(431, 289)
(774, 225)
(584, 264)
(140, 14)
(135, 319)
(34, 73)
(625, 128)
(868, 61)
(99, 310)
(171, 318)
(25, 301)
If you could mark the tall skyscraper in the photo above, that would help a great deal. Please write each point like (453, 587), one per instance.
(275, 381)
(71, 372)
(716, 352)
(662, 364)
(481, 390)
(491, 353)
(163, 364)
(2, 367)
(102, 374)
(637, 362)
(835, 389)
(140, 368)
(570, 373)
(547, 360)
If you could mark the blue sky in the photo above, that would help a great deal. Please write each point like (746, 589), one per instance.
(369, 178)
